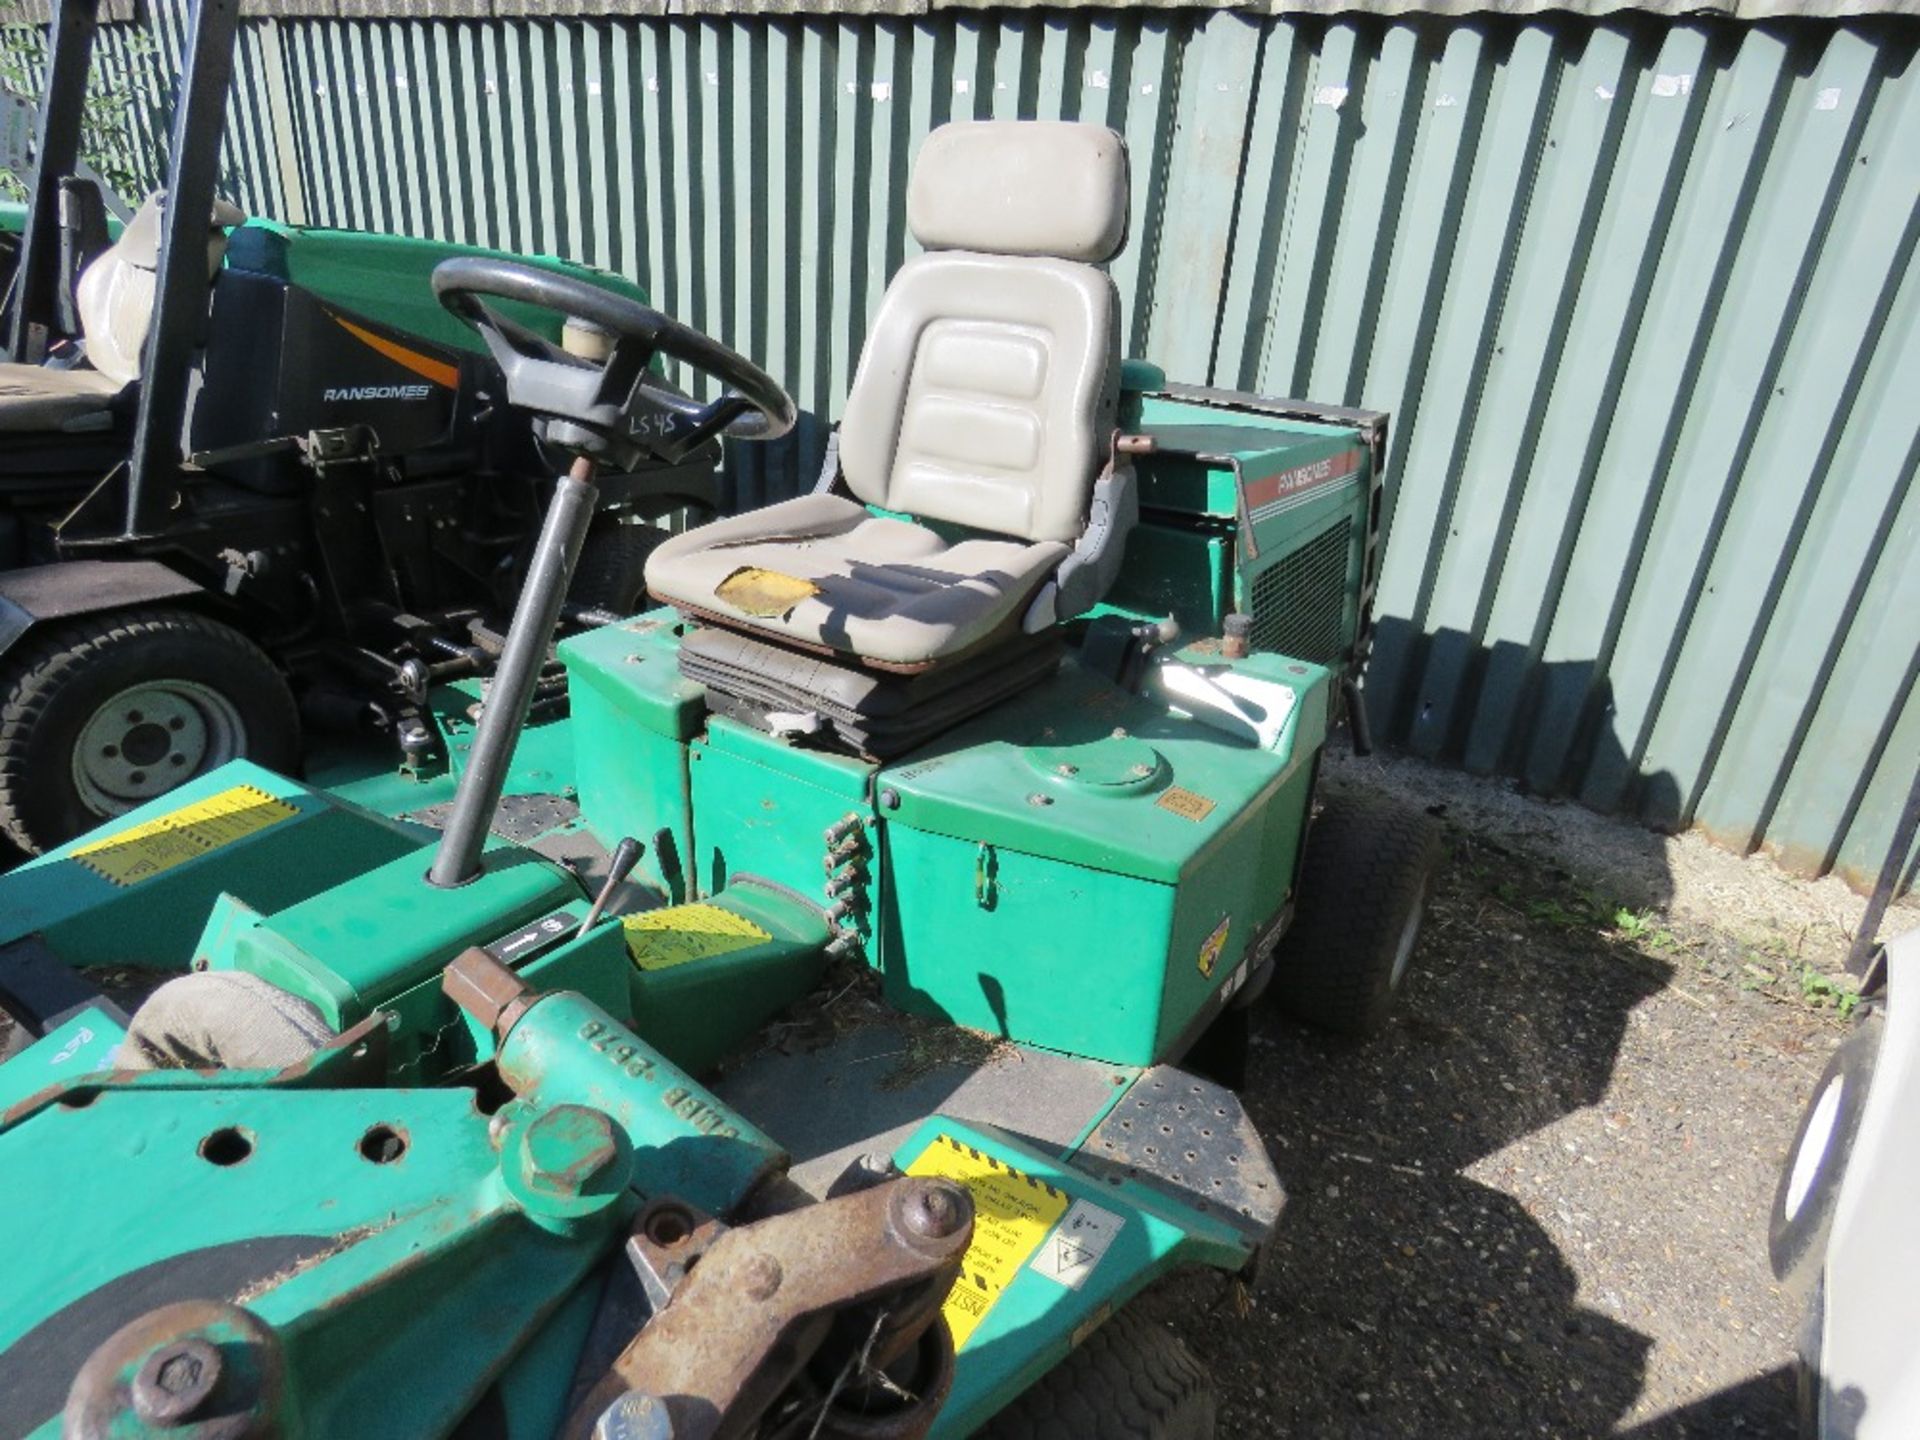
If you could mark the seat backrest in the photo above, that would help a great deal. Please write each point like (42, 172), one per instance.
(116, 292)
(987, 392)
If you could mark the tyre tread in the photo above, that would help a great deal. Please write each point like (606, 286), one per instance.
(33, 675)
(1367, 859)
(1130, 1380)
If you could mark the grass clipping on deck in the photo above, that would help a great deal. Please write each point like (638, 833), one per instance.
(848, 999)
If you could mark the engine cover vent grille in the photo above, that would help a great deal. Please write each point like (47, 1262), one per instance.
(1299, 603)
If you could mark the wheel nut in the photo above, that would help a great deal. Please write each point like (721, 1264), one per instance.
(175, 1380)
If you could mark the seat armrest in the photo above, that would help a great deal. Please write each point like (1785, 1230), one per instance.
(1086, 575)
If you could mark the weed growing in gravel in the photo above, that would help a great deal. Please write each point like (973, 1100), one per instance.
(1821, 991)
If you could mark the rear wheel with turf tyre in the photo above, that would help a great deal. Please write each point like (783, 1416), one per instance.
(1364, 888)
(104, 712)
(612, 571)
(1130, 1380)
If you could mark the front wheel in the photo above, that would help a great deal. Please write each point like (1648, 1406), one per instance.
(1364, 888)
(105, 712)
(1131, 1380)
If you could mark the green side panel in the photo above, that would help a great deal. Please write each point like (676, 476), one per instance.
(1080, 770)
(700, 989)
(1018, 945)
(762, 807)
(1095, 889)
(352, 947)
(81, 1046)
(389, 277)
(1033, 1320)
(633, 715)
(155, 922)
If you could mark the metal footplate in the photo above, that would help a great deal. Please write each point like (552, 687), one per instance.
(1192, 1141)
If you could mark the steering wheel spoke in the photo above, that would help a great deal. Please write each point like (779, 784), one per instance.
(624, 368)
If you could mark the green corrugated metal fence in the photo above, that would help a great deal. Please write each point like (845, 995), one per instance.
(1638, 292)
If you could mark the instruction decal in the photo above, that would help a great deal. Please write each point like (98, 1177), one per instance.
(1213, 945)
(1077, 1243)
(680, 934)
(1185, 804)
(158, 845)
(1012, 1215)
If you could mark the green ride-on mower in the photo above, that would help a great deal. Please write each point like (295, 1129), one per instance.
(788, 1042)
(253, 475)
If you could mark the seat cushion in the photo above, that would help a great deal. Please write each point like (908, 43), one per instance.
(887, 591)
(34, 397)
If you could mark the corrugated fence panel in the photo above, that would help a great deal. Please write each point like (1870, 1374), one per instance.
(1636, 290)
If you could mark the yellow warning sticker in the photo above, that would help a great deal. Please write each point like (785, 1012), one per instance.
(662, 939)
(1012, 1214)
(158, 845)
(1211, 947)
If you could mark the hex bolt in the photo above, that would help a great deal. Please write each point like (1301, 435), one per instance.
(889, 799)
(175, 1380)
(570, 1151)
(933, 1209)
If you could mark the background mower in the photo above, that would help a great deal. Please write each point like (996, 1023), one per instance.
(567, 1108)
(287, 492)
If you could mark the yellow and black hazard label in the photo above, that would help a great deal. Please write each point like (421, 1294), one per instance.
(1012, 1213)
(158, 845)
(661, 939)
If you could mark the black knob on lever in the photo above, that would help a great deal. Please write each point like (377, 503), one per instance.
(625, 856)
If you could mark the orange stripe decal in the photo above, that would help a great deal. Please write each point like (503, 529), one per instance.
(425, 366)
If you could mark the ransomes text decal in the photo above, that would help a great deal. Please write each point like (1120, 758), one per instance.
(375, 392)
(1273, 493)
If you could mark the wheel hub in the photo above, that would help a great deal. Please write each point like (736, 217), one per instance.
(148, 739)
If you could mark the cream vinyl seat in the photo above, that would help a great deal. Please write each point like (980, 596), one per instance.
(981, 417)
(115, 297)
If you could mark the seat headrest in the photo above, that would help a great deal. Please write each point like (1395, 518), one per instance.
(1021, 187)
(139, 243)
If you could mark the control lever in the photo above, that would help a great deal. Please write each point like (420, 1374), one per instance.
(625, 856)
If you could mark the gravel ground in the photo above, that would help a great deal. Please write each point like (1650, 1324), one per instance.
(1536, 1205)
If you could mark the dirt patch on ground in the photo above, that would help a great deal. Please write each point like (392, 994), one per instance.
(1537, 1204)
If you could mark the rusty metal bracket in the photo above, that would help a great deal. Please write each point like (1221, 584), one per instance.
(820, 1300)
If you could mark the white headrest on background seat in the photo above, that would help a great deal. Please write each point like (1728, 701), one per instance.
(116, 292)
(1021, 187)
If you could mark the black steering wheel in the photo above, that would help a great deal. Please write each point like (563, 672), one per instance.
(616, 409)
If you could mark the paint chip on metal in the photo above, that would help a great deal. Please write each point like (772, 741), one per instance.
(1331, 96)
(1098, 80)
(1827, 100)
(1669, 86)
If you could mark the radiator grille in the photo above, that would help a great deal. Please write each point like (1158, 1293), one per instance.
(1299, 604)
